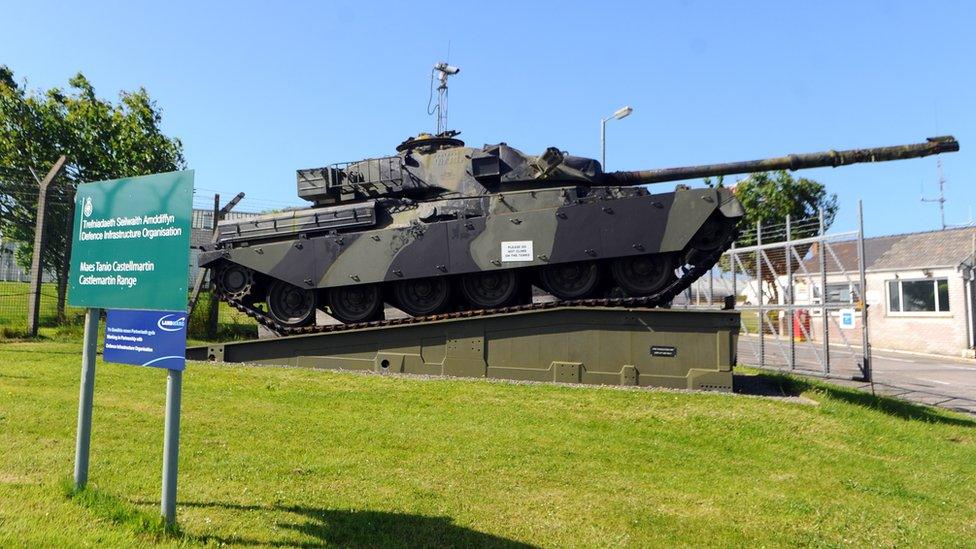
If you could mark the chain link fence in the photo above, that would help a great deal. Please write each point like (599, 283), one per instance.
(15, 295)
(799, 291)
(16, 275)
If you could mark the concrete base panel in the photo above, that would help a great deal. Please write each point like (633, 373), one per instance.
(592, 345)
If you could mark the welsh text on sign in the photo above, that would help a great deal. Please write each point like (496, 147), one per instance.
(131, 243)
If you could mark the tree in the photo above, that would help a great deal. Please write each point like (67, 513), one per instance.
(767, 199)
(101, 139)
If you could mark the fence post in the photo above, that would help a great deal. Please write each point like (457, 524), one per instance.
(69, 227)
(735, 286)
(711, 286)
(822, 243)
(759, 296)
(213, 310)
(790, 303)
(865, 341)
(37, 269)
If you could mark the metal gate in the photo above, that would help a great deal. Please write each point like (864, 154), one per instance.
(800, 293)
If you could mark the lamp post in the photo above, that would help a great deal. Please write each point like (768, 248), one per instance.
(617, 115)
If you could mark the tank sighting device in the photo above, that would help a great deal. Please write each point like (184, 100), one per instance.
(440, 226)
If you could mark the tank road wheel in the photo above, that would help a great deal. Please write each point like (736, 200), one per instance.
(234, 281)
(353, 304)
(571, 280)
(290, 305)
(422, 296)
(490, 289)
(643, 275)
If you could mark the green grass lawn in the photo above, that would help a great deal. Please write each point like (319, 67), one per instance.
(750, 322)
(275, 456)
(231, 323)
(13, 304)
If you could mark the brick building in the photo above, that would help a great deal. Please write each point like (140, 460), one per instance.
(919, 291)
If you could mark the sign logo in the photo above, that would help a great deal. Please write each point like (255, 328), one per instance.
(88, 207)
(846, 318)
(169, 324)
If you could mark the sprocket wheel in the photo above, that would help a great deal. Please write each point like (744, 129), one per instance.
(234, 281)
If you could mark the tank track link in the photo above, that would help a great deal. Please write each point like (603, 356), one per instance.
(661, 298)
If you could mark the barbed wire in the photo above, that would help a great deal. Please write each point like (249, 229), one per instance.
(775, 232)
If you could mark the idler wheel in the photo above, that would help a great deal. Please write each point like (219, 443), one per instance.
(490, 289)
(353, 304)
(643, 275)
(571, 280)
(712, 234)
(234, 281)
(423, 296)
(290, 305)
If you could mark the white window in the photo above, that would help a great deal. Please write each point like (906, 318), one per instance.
(843, 293)
(928, 295)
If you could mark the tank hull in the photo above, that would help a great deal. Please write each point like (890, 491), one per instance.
(524, 237)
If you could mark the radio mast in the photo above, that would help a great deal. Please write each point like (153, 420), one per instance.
(443, 70)
(942, 199)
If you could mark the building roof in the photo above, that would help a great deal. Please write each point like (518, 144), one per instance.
(925, 250)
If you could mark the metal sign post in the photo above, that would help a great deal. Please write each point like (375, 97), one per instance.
(87, 394)
(130, 250)
(171, 444)
(156, 339)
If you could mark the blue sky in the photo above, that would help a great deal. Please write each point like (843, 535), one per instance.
(258, 89)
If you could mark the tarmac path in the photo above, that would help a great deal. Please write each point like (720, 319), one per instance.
(936, 381)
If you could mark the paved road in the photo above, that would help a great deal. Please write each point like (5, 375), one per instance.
(946, 382)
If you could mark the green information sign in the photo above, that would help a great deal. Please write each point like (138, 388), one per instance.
(131, 243)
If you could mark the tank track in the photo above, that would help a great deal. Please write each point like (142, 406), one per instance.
(661, 298)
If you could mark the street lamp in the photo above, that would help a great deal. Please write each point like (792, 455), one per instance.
(617, 115)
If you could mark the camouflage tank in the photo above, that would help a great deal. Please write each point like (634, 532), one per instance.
(442, 226)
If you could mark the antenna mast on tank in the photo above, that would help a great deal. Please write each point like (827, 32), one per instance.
(942, 199)
(443, 70)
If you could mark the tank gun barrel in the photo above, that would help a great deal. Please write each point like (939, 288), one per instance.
(933, 145)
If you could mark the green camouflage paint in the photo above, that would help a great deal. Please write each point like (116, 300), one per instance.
(440, 209)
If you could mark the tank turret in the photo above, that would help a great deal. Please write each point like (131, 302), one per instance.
(429, 166)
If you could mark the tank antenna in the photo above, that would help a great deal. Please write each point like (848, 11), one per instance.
(443, 70)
